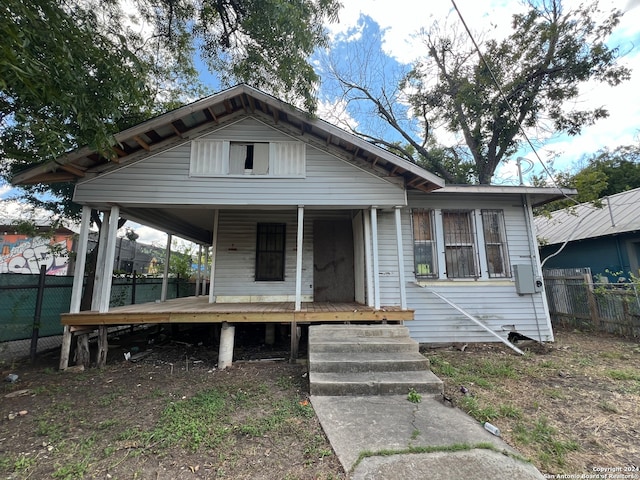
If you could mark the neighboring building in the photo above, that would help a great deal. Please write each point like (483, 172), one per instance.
(20, 253)
(298, 210)
(606, 238)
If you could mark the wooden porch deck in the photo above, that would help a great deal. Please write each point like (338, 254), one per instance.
(199, 310)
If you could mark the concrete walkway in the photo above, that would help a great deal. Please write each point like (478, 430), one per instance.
(391, 422)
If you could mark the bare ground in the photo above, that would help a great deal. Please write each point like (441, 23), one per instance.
(170, 415)
(571, 407)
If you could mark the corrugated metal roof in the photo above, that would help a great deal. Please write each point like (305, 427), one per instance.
(619, 213)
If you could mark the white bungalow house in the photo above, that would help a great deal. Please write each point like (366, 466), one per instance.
(301, 215)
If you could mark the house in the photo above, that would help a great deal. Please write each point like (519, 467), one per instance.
(308, 223)
(605, 238)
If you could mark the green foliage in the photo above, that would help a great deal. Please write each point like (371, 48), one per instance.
(604, 173)
(413, 396)
(72, 73)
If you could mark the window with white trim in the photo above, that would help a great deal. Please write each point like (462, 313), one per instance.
(424, 243)
(459, 245)
(214, 158)
(495, 243)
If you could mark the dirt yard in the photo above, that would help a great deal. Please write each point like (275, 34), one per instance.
(169, 415)
(571, 407)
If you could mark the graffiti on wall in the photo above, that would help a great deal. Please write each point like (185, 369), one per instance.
(20, 254)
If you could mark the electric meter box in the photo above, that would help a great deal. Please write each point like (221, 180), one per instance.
(526, 282)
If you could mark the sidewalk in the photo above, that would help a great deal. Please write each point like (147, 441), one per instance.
(392, 423)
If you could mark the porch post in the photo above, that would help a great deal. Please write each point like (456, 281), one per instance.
(199, 273)
(376, 267)
(102, 247)
(81, 259)
(299, 258)
(403, 290)
(109, 256)
(78, 280)
(214, 250)
(204, 277)
(165, 274)
(368, 260)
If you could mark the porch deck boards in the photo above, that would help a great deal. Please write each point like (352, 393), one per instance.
(199, 310)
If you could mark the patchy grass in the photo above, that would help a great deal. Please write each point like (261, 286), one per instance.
(138, 421)
(569, 406)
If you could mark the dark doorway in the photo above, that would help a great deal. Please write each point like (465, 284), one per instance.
(333, 276)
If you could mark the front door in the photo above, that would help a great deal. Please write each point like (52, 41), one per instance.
(333, 275)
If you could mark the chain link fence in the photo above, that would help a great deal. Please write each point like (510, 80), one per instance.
(30, 307)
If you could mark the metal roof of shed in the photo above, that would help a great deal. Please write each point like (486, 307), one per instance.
(620, 213)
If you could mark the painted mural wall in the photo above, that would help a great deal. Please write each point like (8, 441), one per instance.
(22, 254)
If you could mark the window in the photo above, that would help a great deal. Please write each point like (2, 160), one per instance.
(248, 158)
(495, 243)
(270, 252)
(215, 158)
(459, 246)
(424, 243)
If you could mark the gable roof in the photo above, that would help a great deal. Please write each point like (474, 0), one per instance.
(195, 119)
(619, 214)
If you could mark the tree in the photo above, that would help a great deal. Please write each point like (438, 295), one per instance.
(605, 173)
(527, 80)
(72, 73)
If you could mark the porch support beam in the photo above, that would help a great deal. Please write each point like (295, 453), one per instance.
(165, 274)
(299, 242)
(81, 259)
(102, 246)
(376, 266)
(295, 335)
(205, 278)
(214, 251)
(368, 260)
(401, 281)
(109, 257)
(199, 272)
(78, 281)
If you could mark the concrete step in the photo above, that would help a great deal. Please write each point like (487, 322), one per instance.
(362, 344)
(374, 383)
(323, 362)
(333, 331)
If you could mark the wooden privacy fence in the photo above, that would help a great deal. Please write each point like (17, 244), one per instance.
(576, 301)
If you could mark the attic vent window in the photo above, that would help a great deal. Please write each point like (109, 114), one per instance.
(214, 158)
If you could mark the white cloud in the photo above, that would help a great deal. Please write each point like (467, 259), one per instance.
(401, 19)
(335, 112)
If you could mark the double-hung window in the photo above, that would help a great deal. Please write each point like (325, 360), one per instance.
(459, 244)
(424, 243)
(495, 241)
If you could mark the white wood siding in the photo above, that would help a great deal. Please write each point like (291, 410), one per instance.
(493, 301)
(236, 255)
(163, 179)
